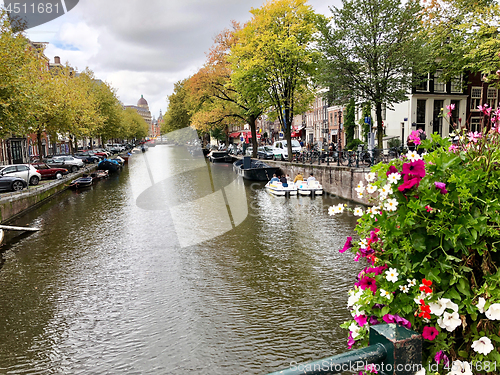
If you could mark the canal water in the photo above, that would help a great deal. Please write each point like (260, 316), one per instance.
(174, 266)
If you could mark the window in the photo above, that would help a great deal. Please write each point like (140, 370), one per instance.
(422, 83)
(457, 85)
(421, 113)
(439, 84)
(475, 98)
(22, 168)
(475, 124)
(492, 97)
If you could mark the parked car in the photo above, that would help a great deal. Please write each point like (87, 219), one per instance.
(265, 152)
(12, 183)
(25, 171)
(68, 162)
(49, 172)
(88, 157)
(280, 149)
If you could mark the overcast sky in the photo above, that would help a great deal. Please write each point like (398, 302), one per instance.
(144, 47)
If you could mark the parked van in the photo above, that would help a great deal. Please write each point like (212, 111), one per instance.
(280, 149)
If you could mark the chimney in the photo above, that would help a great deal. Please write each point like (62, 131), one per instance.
(57, 60)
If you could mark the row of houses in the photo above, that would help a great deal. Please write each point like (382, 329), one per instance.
(423, 110)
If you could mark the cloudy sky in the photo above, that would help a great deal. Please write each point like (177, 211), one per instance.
(144, 47)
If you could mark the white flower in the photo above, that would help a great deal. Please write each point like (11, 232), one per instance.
(483, 346)
(371, 188)
(423, 296)
(449, 321)
(391, 205)
(421, 371)
(339, 208)
(357, 311)
(493, 312)
(439, 307)
(360, 188)
(393, 178)
(331, 211)
(363, 244)
(370, 177)
(360, 195)
(358, 211)
(460, 368)
(354, 297)
(411, 282)
(375, 211)
(392, 275)
(480, 304)
(354, 328)
(404, 288)
(413, 156)
(386, 190)
(385, 293)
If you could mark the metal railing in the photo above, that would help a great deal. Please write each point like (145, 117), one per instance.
(393, 350)
(349, 158)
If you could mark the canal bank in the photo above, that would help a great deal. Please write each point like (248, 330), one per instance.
(336, 180)
(17, 203)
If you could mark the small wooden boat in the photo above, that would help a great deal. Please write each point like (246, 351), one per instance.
(82, 182)
(220, 157)
(277, 188)
(309, 188)
(254, 170)
(99, 175)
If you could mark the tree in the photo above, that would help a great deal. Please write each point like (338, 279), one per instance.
(349, 123)
(219, 103)
(178, 113)
(463, 36)
(274, 60)
(372, 51)
(133, 125)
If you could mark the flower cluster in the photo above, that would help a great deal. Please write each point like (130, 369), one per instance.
(429, 241)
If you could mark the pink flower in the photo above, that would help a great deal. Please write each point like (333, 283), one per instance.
(377, 270)
(347, 245)
(450, 108)
(361, 320)
(407, 185)
(441, 186)
(371, 368)
(430, 333)
(367, 283)
(373, 320)
(453, 148)
(414, 136)
(474, 137)
(440, 356)
(350, 341)
(414, 169)
(392, 169)
(357, 257)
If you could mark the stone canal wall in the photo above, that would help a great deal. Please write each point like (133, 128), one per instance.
(13, 204)
(336, 180)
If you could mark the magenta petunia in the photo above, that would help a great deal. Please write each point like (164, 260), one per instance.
(361, 320)
(441, 186)
(373, 320)
(376, 270)
(373, 236)
(350, 341)
(388, 318)
(430, 333)
(392, 169)
(347, 245)
(414, 169)
(357, 257)
(368, 283)
(407, 185)
(440, 356)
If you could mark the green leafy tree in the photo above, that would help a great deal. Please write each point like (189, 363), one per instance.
(274, 59)
(371, 51)
(350, 124)
(178, 113)
(133, 125)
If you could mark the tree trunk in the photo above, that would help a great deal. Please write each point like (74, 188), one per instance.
(380, 126)
(288, 132)
(39, 142)
(71, 148)
(251, 120)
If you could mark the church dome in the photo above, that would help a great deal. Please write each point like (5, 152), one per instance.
(142, 101)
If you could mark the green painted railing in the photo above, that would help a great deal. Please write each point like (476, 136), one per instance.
(393, 350)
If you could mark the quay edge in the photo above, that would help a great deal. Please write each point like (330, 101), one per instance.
(336, 180)
(15, 204)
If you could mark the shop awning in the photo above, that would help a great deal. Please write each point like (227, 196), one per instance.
(234, 135)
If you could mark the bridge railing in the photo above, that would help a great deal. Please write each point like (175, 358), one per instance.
(393, 350)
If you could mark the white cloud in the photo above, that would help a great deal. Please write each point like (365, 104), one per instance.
(144, 47)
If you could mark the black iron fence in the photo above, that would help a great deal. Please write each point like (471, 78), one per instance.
(358, 159)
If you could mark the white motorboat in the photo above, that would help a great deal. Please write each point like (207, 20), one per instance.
(277, 188)
(309, 188)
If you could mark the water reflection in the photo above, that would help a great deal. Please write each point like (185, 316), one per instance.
(110, 286)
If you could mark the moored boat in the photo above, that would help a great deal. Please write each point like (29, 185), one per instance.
(109, 165)
(220, 157)
(82, 182)
(254, 170)
(99, 175)
(277, 188)
(309, 188)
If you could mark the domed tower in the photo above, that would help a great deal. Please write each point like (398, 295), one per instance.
(143, 103)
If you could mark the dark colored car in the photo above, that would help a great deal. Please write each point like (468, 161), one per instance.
(11, 183)
(88, 157)
(49, 172)
(265, 152)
